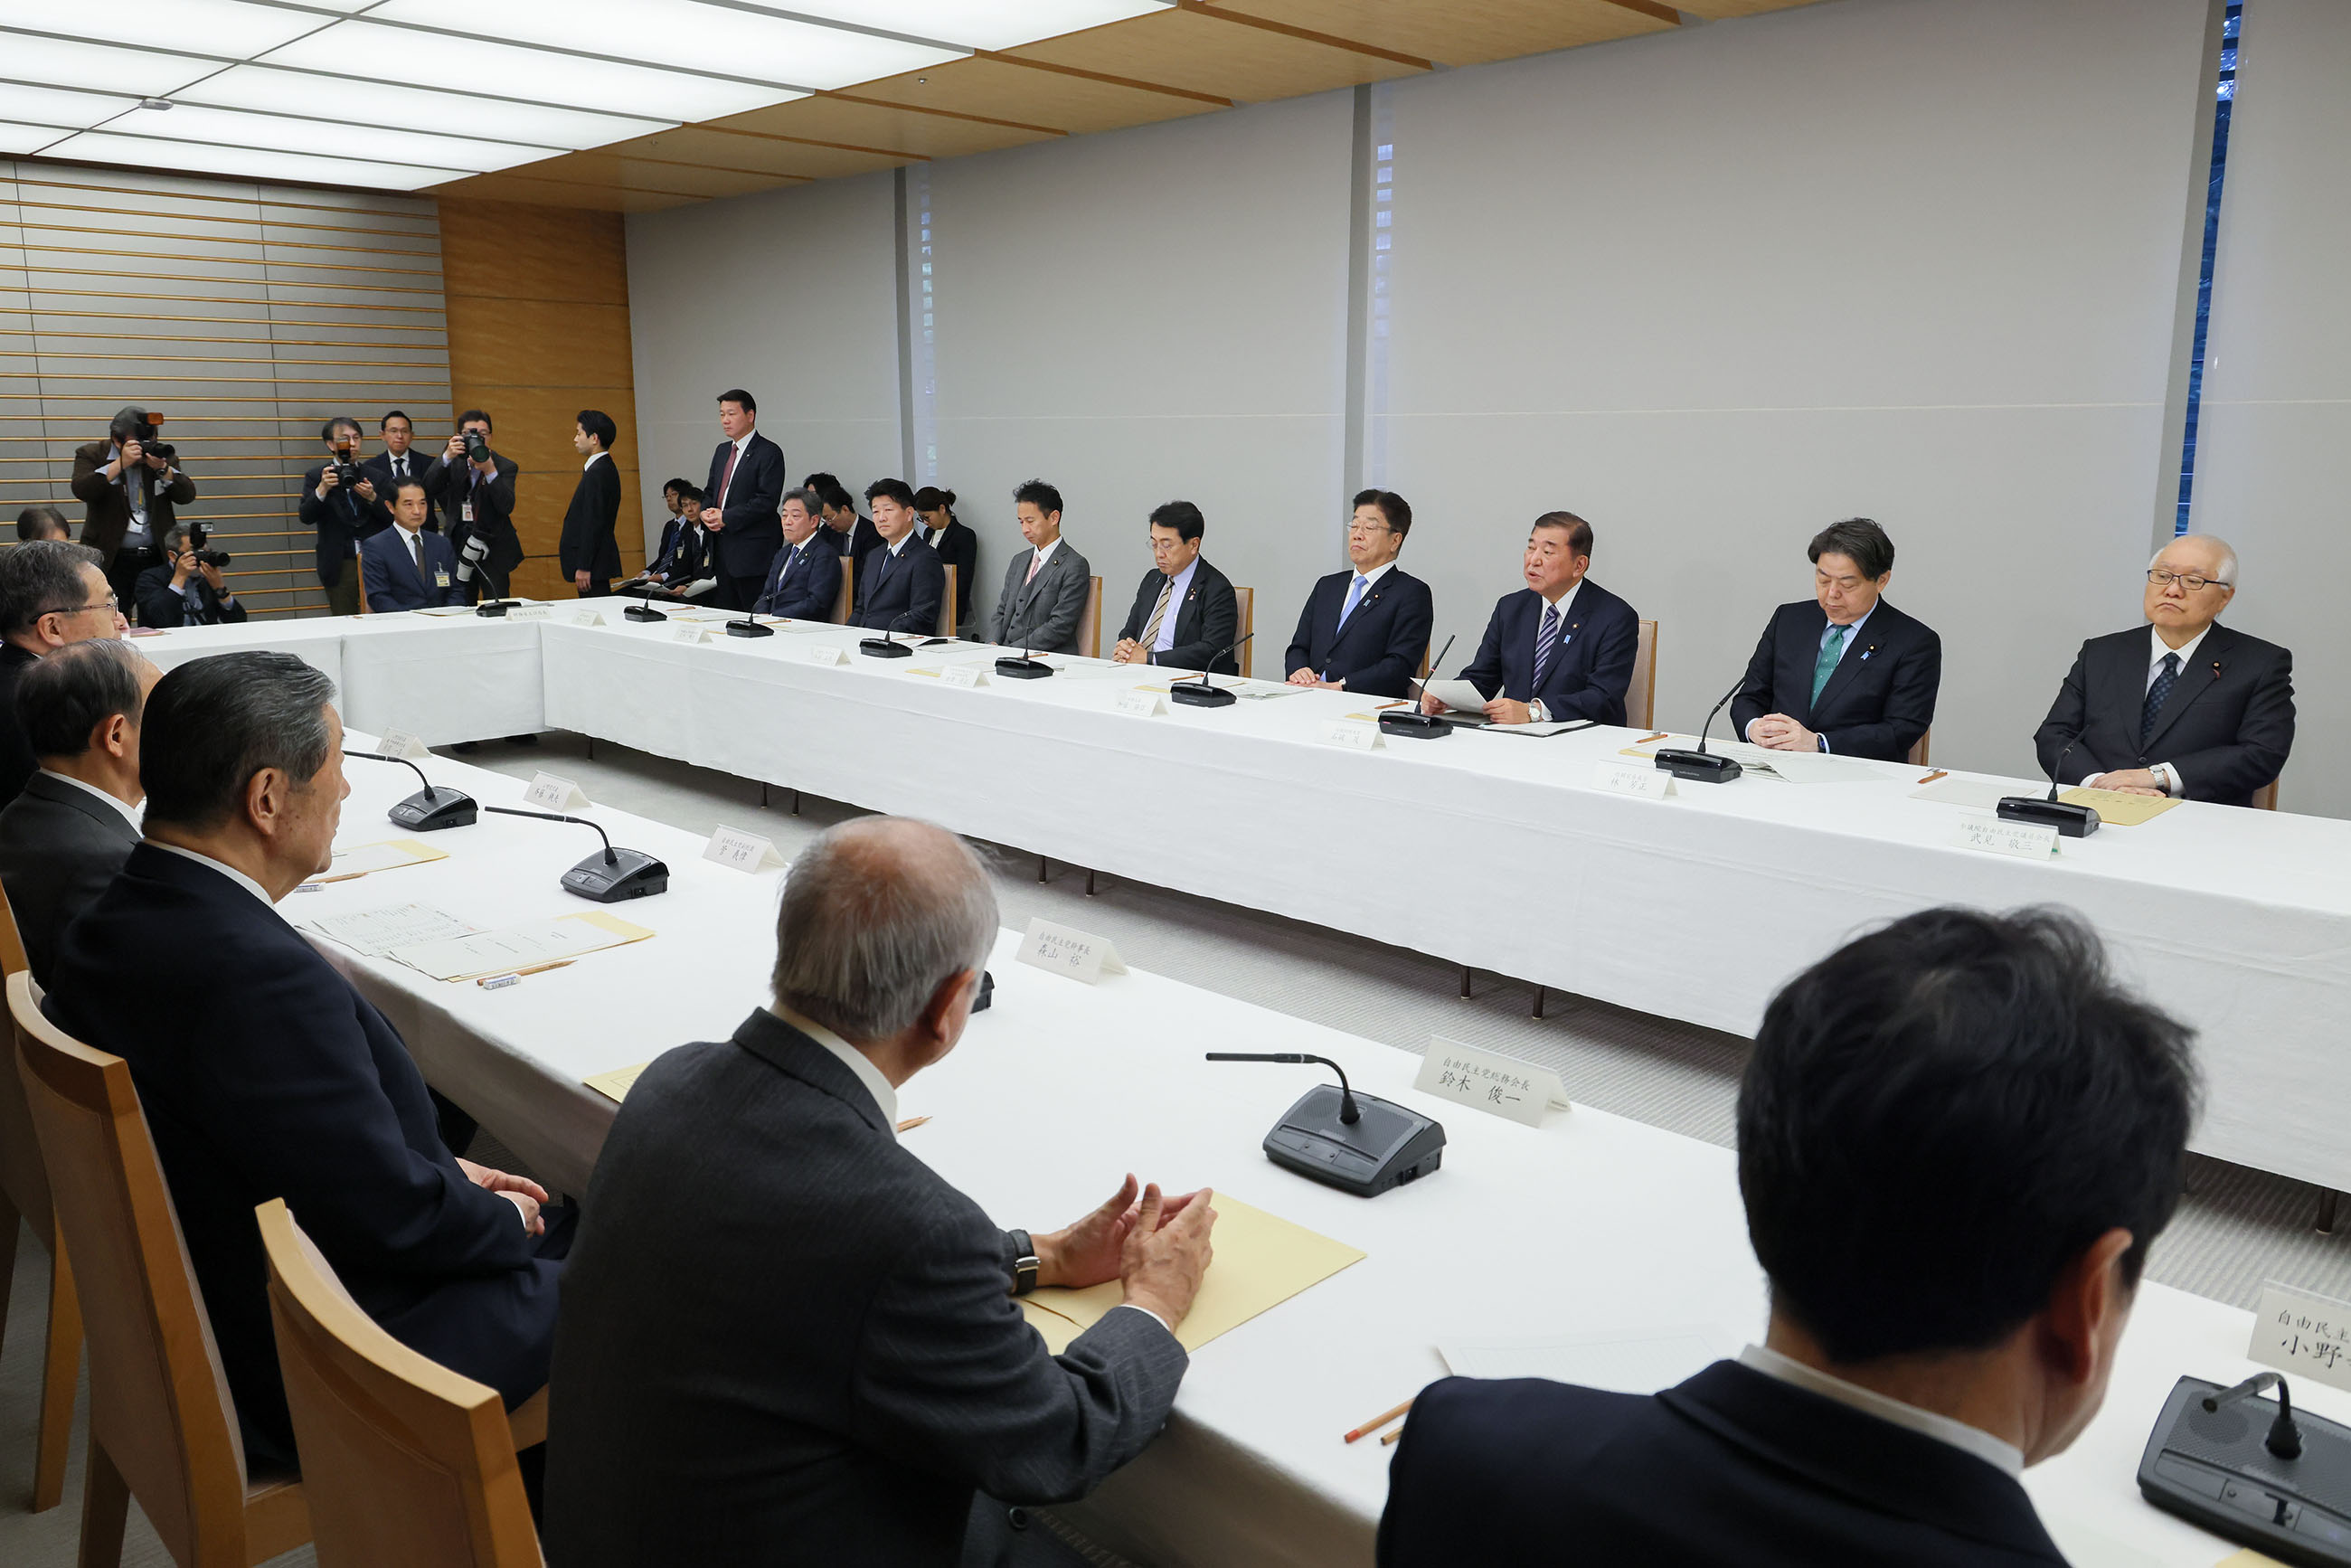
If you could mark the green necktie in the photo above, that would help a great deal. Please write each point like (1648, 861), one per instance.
(1832, 648)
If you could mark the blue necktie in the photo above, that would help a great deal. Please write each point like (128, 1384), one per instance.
(1545, 641)
(791, 561)
(1354, 597)
(2165, 679)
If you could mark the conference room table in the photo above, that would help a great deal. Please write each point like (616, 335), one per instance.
(1587, 1225)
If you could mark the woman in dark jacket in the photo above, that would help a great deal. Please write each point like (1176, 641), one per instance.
(958, 546)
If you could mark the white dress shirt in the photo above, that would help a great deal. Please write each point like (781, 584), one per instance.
(2003, 1457)
(592, 460)
(740, 443)
(2164, 773)
(130, 813)
(1044, 554)
(1535, 708)
(225, 870)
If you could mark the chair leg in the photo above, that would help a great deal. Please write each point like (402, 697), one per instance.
(1540, 994)
(9, 1222)
(1465, 979)
(592, 749)
(763, 795)
(59, 1368)
(796, 802)
(1040, 868)
(1090, 884)
(2325, 1225)
(105, 1504)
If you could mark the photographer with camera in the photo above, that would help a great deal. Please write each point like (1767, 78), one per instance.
(473, 487)
(128, 482)
(340, 502)
(187, 589)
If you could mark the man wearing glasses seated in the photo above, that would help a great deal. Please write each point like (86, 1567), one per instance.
(2191, 709)
(51, 593)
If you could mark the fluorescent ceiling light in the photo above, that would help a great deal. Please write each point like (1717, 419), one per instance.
(234, 127)
(145, 153)
(19, 139)
(61, 62)
(222, 27)
(413, 108)
(719, 39)
(49, 106)
(469, 64)
(975, 23)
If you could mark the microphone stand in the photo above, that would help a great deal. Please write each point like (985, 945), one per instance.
(644, 611)
(429, 810)
(1702, 766)
(2071, 820)
(887, 646)
(1411, 722)
(1024, 668)
(1326, 1137)
(610, 877)
(1198, 693)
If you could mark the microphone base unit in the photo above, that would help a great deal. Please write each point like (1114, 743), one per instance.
(492, 609)
(2071, 821)
(1023, 669)
(1699, 767)
(1199, 693)
(885, 648)
(1386, 1147)
(643, 612)
(2213, 1468)
(447, 808)
(631, 873)
(1416, 725)
(746, 629)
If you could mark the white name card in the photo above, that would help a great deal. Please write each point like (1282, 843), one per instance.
(1353, 734)
(400, 742)
(1499, 1085)
(963, 675)
(744, 851)
(2303, 1333)
(689, 635)
(1149, 705)
(586, 617)
(1632, 778)
(550, 793)
(1066, 951)
(825, 654)
(530, 612)
(2027, 840)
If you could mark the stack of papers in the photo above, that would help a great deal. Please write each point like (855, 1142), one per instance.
(467, 957)
(376, 932)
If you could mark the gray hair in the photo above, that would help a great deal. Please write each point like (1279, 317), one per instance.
(2228, 557)
(64, 696)
(876, 913)
(40, 577)
(212, 724)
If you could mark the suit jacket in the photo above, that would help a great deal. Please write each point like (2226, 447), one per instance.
(107, 514)
(808, 591)
(862, 541)
(161, 605)
(901, 593)
(17, 763)
(2227, 728)
(683, 556)
(1043, 614)
(588, 544)
(958, 547)
(59, 846)
(1590, 669)
(835, 1393)
(451, 487)
(264, 1075)
(340, 521)
(1878, 701)
(393, 580)
(1206, 623)
(1733, 1465)
(753, 532)
(1379, 650)
(421, 464)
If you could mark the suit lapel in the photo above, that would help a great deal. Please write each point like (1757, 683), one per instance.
(2195, 680)
(1863, 646)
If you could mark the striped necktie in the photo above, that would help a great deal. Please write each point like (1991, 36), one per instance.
(1158, 613)
(1546, 641)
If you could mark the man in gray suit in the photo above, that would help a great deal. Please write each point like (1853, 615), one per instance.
(1047, 585)
(786, 1340)
(63, 838)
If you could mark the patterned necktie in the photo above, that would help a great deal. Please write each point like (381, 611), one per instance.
(1831, 649)
(2165, 679)
(1035, 562)
(727, 475)
(1158, 613)
(1545, 641)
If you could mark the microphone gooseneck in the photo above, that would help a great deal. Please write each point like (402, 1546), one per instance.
(2284, 1438)
(1202, 676)
(1718, 709)
(405, 762)
(609, 858)
(2059, 766)
(1349, 1113)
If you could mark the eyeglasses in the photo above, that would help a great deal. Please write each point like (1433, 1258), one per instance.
(2162, 578)
(109, 604)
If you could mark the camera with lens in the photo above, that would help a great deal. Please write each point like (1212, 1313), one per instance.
(199, 538)
(478, 447)
(139, 425)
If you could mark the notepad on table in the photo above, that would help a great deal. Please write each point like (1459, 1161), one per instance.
(386, 856)
(615, 1085)
(518, 947)
(2116, 809)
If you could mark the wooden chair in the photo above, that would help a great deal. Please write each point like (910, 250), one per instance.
(2265, 797)
(848, 600)
(946, 626)
(1245, 600)
(25, 1190)
(1641, 697)
(1089, 623)
(1918, 756)
(161, 1426)
(406, 1464)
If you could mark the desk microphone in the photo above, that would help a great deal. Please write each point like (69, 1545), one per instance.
(887, 646)
(1349, 1111)
(1413, 722)
(429, 810)
(1196, 691)
(2276, 1485)
(1358, 1144)
(2070, 821)
(607, 878)
(644, 611)
(494, 609)
(748, 626)
(1702, 766)
(1024, 668)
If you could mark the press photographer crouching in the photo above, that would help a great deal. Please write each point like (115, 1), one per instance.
(188, 590)
(129, 482)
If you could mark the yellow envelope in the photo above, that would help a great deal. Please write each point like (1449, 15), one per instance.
(2116, 809)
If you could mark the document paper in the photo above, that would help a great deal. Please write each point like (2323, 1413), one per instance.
(359, 860)
(376, 932)
(518, 947)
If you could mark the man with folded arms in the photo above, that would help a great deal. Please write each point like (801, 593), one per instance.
(1561, 648)
(786, 1340)
(805, 583)
(1957, 1138)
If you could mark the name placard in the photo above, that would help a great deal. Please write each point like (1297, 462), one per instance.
(824, 654)
(1067, 951)
(2303, 1333)
(552, 794)
(586, 617)
(1631, 778)
(1353, 736)
(530, 612)
(400, 742)
(1147, 705)
(689, 635)
(963, 675)
(1497, 1085)
(2026, 840)
(744, 851)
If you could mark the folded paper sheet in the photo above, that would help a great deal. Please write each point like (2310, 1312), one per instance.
(359, 860)
(2118, 810)
(518, 947)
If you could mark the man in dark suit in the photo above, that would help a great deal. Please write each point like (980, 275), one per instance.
(186, 590)
(399, 461)
(63, 838)
(1982, 1068)
(1046, 586)
(129, 490)
(1184, 615)
(589, 552)
(2189, 708)
(475, 495)
(839, 1392)
(852, 536)
(1365, 628)
(1844, 670)
(52, 593)
(405, 567)
(1561, 648)
(341, 514)
(902, 583)
(956, 545)
(805, 583)
(747, 487)
(264, 1074)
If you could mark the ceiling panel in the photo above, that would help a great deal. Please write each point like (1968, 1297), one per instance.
(1004, 86)
(1203, 51)
(751, 154)
(1460, 35)
(884, 127)
(1722, 10)
(604, 166)
(511, 187)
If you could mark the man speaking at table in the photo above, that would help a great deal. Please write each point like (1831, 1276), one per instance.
(2188, 708)
(1843, 671)
(1957, 1138)
(747, 486)
(1365, 628)
(786, 1340)
(901, 585)
(1185, 613)
(1562, 647)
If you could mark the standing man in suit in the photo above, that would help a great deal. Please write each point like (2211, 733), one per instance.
(129, 487)
(1562, 647)
(843, 1395)
(398, 461)
(805, 583)
(747, 487)
(186, 590)
(474, 488)
(405, 567)
(1047, 585)
(2190, 708)
(1185, 613)
(589, 552)
(1843, 671)
(1983, 1069)
(902, 583)
(52, 594)
(954, 544)
(343, 514)
(264, 1074)
(1365, 628)
(63, 838)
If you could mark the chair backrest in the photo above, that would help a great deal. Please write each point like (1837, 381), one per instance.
(1089, 623)
(158, 1403)
(1918, 754)
(23, 1180)
(842, 605)
(1245, 600)
(1423, 662)
(1641, 697)
(2265, 797)
(946, 626)
(406, 1463)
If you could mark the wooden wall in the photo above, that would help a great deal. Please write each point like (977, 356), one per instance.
(537, 305)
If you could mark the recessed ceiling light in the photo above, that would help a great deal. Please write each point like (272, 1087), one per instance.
(415, 108)
(222, 27)
(236, 128)
(66, 62)
(49, 106)
(23, 139)
(974, 24)
(148, 153)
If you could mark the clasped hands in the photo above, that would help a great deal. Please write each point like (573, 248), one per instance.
(1157, 1246)
(1777, 732)
(521, 1191)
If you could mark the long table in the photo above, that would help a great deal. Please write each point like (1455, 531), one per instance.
(1588, 1223)
(1491, 850)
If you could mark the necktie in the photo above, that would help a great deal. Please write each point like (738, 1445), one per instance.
(399, 469)
(1035, 562)
(2165, 679)
(727, 475)
(790, 560)
(1545, 641)
(1158, 613)
(1354, 597)
(415, 552)
(1831, 649)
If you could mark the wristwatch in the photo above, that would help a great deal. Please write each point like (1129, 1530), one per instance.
(1536, 711)
(1024, 1264)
